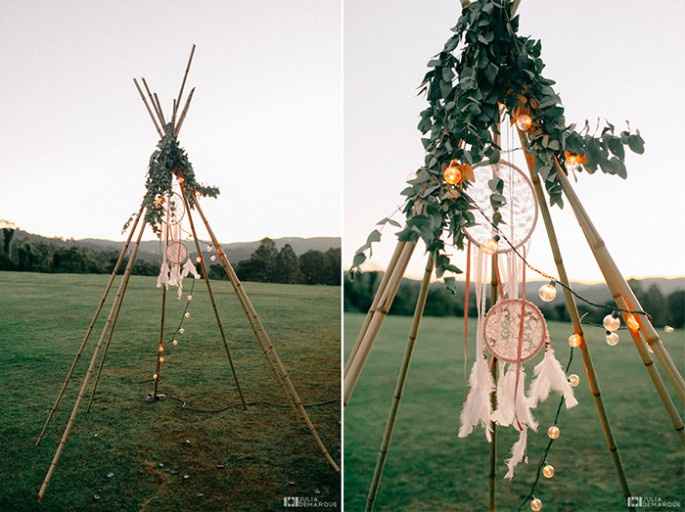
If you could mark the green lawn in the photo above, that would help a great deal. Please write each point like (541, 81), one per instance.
(267, 453)
(430, 469)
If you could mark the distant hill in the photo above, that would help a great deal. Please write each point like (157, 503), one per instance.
(149, 250)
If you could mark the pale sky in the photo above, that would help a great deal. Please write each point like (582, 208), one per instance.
(616, 59)
(265, 124)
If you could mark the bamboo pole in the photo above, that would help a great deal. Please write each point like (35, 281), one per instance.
(572, 309)
(184, 112)
(492, 504)
(86, 378)
(622, 295)
(154, 105)
(185, 76)
(147, 107)
(205, 276)
(160, 346)
(90, 327)
(265, 341)
(399, 386)
(376, 299)
(159, 109)
(618, 285)
(357, 364)
(106, 348)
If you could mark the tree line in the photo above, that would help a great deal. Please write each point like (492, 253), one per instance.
(266, 264)
(360, 289)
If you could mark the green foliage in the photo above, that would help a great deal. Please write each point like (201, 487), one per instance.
(485, 64)
(169, 160)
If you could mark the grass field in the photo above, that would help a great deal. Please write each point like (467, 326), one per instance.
(430, 469)
(128, 455)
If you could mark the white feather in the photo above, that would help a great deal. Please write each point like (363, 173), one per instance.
(477, 407)
(163, 277)
(551, 377)
(518, 453)
(189, 268)
(512, 404)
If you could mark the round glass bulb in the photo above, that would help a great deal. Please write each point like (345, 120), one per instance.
(573, 380)
(536, 504)
(524, 121)
(632, 323)
(613, 339)
(187, 315)
(553, 432)
(181, 330)
(212, 257)
(154, 376)
(574, 340)
(174, 343)
(547, 292)
(490, 247)
(198, 259)
(668, 329)
(190, 297)
(548, 471)
(452, 175)
(611, 323)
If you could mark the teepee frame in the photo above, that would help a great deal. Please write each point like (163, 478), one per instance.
(154, 109)
(622, 295)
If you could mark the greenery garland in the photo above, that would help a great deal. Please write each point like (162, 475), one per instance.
(167, 161)
(495, 68)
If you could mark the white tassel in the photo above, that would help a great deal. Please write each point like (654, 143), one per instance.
(189, 268)
(163, 277)
(518, 453)
(477, 408)
(550, 376)
(513, 406)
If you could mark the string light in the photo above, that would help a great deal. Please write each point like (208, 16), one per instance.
(161, 348)
(212, 257)
(190, 297)
(612, 322)
(187, 315)
(612, 338)
(548, 471)
(161, 359)
(632, 323)
(668, 329)
(573, 380)
(181, 330)
(548, 292)
(523, 119)
(452, 173)
(198, 259)
(553, 432)
(575, 340)
(174, 342)
(536, 504)
(155, 376)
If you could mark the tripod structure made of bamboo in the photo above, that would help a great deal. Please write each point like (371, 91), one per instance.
(137, 228)
(623, 295)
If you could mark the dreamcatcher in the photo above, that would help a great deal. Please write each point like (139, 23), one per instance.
(513, 330)
(175, 262)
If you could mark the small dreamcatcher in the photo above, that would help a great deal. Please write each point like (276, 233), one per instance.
(175, 262)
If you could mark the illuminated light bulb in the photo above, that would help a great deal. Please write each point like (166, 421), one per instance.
(212, 257)
(174, 343)
(573, 380)
(181, 330)
(523, 119)
(668, 329)
(190, 297)
(612, 339)
(548, 292)
(155, 376)
(575, 340)
(611, 322)
(553, 432)
(548, 471)
(571, 158)
(452, 173)
(161, 359)
(187, 315)
(632, 323)
(161, 348)
(198, 259)
(491, 246)
(536, 504)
